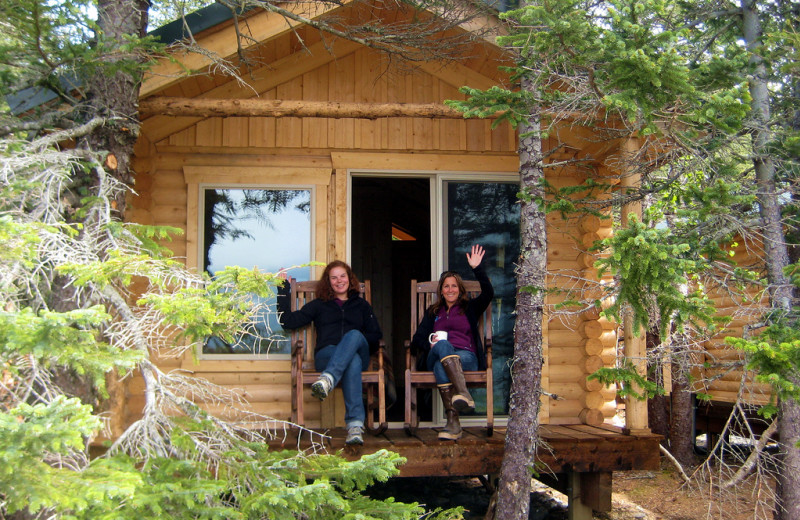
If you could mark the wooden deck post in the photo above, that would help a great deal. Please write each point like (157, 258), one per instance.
(578, 510)
(634, 345)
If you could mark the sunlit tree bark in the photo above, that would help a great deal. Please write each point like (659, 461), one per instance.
(513, 498)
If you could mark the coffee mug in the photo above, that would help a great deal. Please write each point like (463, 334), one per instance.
(437, 336)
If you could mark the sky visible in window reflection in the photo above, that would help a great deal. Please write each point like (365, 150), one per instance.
(270, 236)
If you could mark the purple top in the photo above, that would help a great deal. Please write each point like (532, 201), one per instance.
(456, 324)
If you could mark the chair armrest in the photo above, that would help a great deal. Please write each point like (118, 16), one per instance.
(410, 358)
(297, 348)
(298, 355)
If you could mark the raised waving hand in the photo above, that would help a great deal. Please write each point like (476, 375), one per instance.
(475, 258)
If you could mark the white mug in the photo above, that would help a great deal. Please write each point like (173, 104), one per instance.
(437, 336)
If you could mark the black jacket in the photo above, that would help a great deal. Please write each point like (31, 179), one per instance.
(331, 320)
(475, 308)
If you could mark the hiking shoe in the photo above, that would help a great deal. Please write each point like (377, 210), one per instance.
(322, 387)
(355, 435)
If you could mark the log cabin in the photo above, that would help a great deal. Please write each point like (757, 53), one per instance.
(355, 156)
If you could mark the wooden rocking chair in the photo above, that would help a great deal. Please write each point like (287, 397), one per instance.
(423, 294)
(304, 373)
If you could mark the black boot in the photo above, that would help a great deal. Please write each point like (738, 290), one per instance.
(462, 400)
(452, 429)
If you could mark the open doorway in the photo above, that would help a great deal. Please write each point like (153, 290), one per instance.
(391, 245)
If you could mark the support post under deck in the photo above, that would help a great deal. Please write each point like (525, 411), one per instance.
(578, 510)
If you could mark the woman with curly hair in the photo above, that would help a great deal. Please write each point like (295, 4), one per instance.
(347, 331)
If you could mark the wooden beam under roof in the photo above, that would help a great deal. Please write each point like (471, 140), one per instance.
(255, 107)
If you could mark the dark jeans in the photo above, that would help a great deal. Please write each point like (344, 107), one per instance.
(344, 362)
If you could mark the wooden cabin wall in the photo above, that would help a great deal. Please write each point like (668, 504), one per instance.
(578, 342)
(723, 384)
(176, 154)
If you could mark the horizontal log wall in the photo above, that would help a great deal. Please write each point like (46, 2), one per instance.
(720, 381)
(578, 343)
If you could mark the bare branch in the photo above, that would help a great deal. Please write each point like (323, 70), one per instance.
(677, 465)
(753, 459)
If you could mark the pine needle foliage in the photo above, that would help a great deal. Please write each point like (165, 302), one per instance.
(654, 270)
(628, 381)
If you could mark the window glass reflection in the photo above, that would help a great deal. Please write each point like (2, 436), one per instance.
(262, 228)
(488, 214)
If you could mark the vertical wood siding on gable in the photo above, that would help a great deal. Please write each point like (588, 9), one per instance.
(357, 77)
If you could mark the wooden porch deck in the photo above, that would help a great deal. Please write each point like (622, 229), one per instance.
(569, 448)
(578, 460)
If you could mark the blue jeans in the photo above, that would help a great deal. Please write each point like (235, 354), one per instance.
(344, 362)
(443, 348)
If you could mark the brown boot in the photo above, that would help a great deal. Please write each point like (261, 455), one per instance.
(452, 429)
(462, 401)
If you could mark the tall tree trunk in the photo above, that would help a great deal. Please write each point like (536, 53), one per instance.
(793, 11)
(681, 435)
(114, 94)
(657, 406)
(776, 252)
(513, 495)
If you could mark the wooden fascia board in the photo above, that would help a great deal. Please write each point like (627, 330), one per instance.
(254, 174)
(264, 26)
(499, 29)
(479, 23)
(159, 127)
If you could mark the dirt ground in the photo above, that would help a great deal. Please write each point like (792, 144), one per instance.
(642, 495)
(637, 495)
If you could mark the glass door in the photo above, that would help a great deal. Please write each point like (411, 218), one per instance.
(487, 213)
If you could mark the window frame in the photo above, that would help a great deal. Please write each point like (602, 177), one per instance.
(438, 224)
(442, 253)
(200, 199)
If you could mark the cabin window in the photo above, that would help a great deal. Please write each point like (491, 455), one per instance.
(264, 228)
(487, 213)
